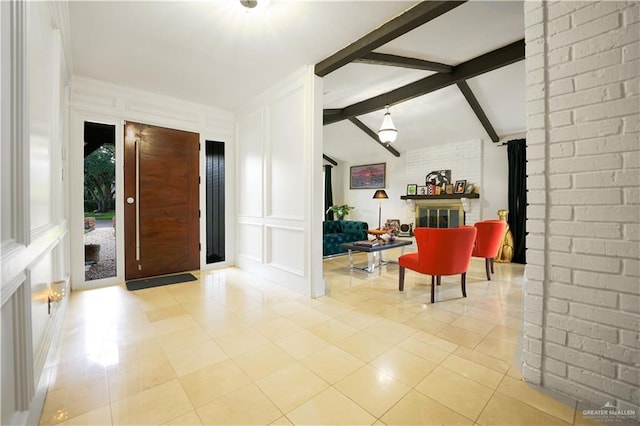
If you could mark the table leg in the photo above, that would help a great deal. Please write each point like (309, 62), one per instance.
(350, 259)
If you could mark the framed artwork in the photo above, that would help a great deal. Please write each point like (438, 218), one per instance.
(422, 190)
(448, 188)
(412, 189)
(460, 186)
(367, 176)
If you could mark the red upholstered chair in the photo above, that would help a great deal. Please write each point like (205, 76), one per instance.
(440, 252)
(488, 240)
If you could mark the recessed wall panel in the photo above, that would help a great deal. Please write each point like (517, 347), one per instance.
(250, 160)
(285, 249)
(250, 241)
(286, 167)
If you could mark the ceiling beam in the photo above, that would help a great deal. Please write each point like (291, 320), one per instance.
(498, 58)
(374, 136)
(329, 159)
(418, 15)
(374, 58)
(477, 109)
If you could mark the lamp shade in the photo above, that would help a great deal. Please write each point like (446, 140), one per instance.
(380, 194)
(388, 132)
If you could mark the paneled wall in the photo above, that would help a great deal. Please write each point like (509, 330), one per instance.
(34, 194)
(279, 174)
(582, 298)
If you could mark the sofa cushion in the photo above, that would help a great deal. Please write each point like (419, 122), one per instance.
(355, 227)
(331, 227)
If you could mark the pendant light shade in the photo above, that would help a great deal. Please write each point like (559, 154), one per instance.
(388, 131)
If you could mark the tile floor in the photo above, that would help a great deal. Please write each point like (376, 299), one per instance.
(232, 349)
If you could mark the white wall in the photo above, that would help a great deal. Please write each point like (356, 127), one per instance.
(479, 161)
(279, 175)
(582, 298)
(34, 193)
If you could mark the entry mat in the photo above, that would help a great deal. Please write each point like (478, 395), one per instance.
(159, 281)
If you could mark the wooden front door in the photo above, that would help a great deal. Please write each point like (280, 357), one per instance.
(161, 215)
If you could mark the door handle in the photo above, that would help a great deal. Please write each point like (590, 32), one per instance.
(137, 150)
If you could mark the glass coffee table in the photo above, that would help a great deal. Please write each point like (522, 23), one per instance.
(374, 252)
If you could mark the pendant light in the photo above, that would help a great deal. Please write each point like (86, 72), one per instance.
(388, 132)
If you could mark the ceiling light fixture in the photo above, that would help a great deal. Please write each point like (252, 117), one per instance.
(249, 4)
(388, 132)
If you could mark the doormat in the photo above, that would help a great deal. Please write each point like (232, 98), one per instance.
(159, 281)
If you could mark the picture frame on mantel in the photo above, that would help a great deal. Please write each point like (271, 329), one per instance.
(460, 186)
(368, 176)
(412, 189)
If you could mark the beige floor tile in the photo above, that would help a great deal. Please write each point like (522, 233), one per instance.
(279, 328)
(205, 385)
(436, 341)
(164, 313)
(291, 386)
(461, 336)
(97, 417)
(403, 366)
(157, 405)
(390, 331)
(503, 410)
(332, 363)
(74, 400)
(307, 318)
(262, 361)
(171, 325)
(302, 344)
(195, 358)
(183, 339)
(424, 350)
(503, 349)
(418, 409)
(398, 314)
(224, 326)
(241, 341)
(372, 389)
(473, 324)
(563, 408)
(358, 319)
(476, 372)
(364, 346)
(427, 325)
(282, 421)
(244, 406)
(514, 372)
(330, 408)
(479, 358)
(332, 330)
(189, 419)
(145, 373)
(462, 395)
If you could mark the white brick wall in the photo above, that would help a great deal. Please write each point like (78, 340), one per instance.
(464, 159)
(582, 288)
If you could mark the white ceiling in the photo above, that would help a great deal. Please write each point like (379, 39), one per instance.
(215, 53)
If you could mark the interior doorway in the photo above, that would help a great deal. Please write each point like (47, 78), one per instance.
(99, 189)
(161, 200)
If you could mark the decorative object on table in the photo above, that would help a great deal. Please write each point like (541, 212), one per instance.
(448, 188)
(340, 211)
(392, 226)
(377, 233)
(412, 189)
(380, 195)
(367, 176)
(460, 186)
(439, 178)
(505, 253)
(422, 190)
(469, 188)
(388, 132)
(405, 230)
(431, 189)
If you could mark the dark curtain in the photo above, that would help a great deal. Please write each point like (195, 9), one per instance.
(328, 192)
(517, 155)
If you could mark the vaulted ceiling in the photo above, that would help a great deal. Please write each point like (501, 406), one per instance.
(215, 53)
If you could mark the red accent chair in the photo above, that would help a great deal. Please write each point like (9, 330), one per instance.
(490, 236)
(440, 252)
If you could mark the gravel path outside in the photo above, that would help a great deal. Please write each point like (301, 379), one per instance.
(106, 266)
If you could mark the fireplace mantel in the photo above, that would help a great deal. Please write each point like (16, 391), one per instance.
(439, 197)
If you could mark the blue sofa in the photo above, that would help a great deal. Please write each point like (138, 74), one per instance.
(336, 232)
